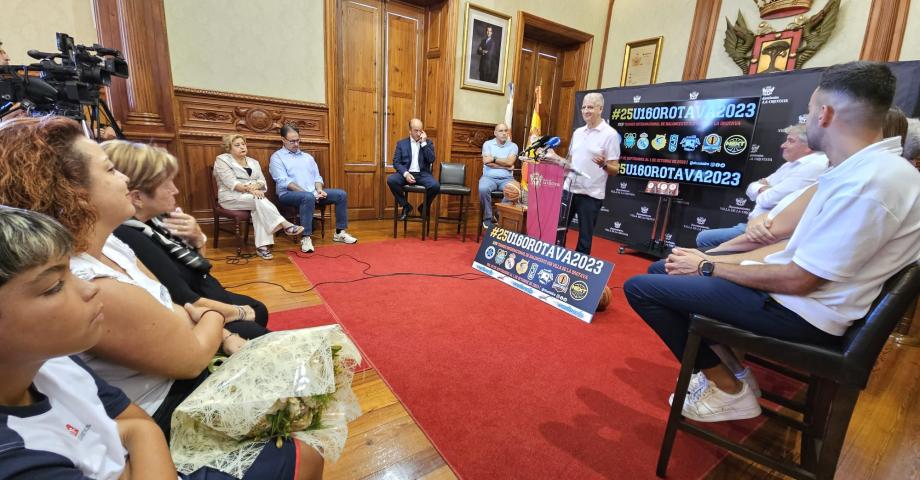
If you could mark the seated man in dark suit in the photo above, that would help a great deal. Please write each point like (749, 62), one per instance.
(413, 160)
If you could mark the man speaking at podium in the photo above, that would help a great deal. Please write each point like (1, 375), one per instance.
(595, 153)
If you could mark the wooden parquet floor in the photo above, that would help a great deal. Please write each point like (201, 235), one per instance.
(883, 440)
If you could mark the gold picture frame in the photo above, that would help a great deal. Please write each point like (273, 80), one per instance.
(640, 62)
(486, 36)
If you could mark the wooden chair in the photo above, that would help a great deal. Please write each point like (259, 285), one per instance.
(240, 218)
(834, 377)
(292, 214)
(452, 178)
(423, 216)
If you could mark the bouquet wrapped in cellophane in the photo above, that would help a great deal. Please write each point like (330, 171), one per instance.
(294, 383)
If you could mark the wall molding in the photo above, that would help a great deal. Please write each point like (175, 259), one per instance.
(885, 30)
(702, 38)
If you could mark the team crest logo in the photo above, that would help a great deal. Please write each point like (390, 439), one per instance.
(701, 220)
(755, 147)
(659, 142)
(623, 185)
(803, 118)
(690, 143)
(545, 276)
(490, 252)
(500, 256)
(561, 284)
(642, 143)
(672, 142)
(694, 94)
(741, 201)
(617, 225)
(521, 267)
(509, 263)
(668, 236)
(643, 209)
(767, 91)
(735, 144)
(629, 140)
(533, 271)
(637, 99)
(712, 143)
(578, 290)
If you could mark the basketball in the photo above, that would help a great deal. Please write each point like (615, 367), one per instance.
(512, 191)
(605, 300)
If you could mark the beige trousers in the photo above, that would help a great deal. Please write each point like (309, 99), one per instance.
(265, 216)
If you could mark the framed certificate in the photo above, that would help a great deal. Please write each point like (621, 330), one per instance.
(640, 62)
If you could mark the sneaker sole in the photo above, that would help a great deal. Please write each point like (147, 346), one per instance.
(726, 416)
(343, 241)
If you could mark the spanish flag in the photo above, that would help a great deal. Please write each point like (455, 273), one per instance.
(535, 132)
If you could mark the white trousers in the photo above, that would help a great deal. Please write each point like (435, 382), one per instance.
(265, 216)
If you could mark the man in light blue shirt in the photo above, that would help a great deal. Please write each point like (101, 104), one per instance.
(299, 184)
(498, 157)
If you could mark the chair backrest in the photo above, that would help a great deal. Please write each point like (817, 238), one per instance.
(865, 338)
(212, 188)
(452, 174)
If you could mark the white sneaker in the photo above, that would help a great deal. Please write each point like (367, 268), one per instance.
(344, 237)
(698, 384)
(714, 405)
(747, 377)
(306, 245)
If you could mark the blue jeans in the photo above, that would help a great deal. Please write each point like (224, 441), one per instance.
(665, 303)
(487, 185)
(714, 237)
(306, 203)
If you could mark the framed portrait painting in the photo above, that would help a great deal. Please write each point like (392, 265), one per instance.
(640, 62)
(485, 49)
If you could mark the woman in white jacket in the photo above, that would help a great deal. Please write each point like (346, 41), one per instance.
(241, 186)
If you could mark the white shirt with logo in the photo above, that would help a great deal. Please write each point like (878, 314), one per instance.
(861, 227)
(788, 178)
(586, 142)
(69, 431)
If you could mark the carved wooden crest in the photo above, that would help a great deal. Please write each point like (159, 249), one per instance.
(789, 49)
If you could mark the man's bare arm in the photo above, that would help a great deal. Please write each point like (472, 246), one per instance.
(789, 279)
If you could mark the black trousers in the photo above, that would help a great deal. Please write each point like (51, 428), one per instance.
(587, 209)
(209, 287)
(396, 181)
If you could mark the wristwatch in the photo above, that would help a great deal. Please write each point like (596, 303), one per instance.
(706, 268)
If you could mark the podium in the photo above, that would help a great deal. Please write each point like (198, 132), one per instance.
(512, 217)
(544, 202)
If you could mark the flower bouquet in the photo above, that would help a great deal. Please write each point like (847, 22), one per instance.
(294, 383)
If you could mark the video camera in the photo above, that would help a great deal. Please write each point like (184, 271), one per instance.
(65, 87)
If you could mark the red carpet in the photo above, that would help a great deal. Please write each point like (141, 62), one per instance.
(504, 385)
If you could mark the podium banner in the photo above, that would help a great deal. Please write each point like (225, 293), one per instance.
(543, 200)
(568, 280)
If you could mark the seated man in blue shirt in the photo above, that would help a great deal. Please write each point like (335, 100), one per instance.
(498, 157)
(299, 184)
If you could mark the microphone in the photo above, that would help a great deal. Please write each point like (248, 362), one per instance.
(538, 143)
(553, 142)
(38, 55)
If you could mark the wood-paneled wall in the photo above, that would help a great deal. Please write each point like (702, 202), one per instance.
(466, 147)
(204, 117)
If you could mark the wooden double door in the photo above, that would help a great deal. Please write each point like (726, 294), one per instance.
(553, 67)
(381, 55)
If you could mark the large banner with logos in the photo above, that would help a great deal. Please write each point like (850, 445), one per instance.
(700, 142)
(568, 280)
(628, 212)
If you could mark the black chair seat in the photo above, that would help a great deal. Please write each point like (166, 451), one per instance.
(414, 188)
(455, 190)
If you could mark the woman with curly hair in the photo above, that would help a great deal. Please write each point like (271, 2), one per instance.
(46, 165)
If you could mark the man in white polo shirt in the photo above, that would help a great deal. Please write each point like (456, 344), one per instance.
(801, 168)
(595, 152)
(861, 227)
